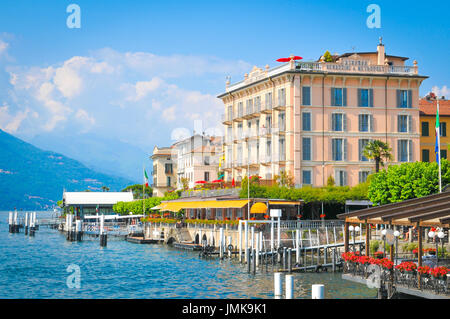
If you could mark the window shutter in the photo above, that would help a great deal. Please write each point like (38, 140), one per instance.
(399, 150)
(344, 97)
(359, 97)
(333, 149)
(399, 124)
(371, 97)
(333, 122)
(360, 177)
(409, 123)
(344, 119)
(345, 150)
(410, 159)
(409, 98)
(332, 103)
(336, 177)
(360, 149)
(345, 178)
(398, 98)
(360, 122)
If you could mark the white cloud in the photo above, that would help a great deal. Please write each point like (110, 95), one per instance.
(154, 93)
(444, 91)
(3, 47)
(9, 122)
(169, 114)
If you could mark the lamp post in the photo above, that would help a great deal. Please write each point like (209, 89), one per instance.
(354, 237)
(441, 236)
(383, 233)
(396, 234)
(433, 234)
(352, 229)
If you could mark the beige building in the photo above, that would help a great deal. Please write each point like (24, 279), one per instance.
(312, 119)
(164, 171)
(195, 158)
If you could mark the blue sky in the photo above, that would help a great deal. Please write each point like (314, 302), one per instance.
(138, 70)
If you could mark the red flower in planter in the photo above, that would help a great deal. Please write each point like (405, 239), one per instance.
(266, 216)
(424, 270)
(299, 216)
(322, 215)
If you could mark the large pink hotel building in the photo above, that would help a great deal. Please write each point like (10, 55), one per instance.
(312, 119)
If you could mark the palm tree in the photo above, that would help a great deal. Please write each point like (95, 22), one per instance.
(378, 150)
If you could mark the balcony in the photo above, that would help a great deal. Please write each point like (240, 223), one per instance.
(266, 107)
(238, 116)
(281, 104)
(227, 118)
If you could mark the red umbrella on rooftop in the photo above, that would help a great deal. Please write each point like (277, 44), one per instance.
(218, 181)
(295, 57)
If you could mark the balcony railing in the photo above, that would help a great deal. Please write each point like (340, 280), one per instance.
(342, 67)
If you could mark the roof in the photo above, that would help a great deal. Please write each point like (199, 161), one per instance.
(96, 198)
(429, 107)
(432, 210)
(362, 53)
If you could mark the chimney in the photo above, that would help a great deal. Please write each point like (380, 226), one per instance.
(381, 53)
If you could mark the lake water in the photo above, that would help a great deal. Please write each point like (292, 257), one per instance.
(36, 267)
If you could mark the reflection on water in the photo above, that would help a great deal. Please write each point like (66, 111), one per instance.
(126, 270)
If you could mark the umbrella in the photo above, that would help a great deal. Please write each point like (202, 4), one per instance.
(258, 208)
(218, 181)
(200, 182)
(295, 57)
(233, 184)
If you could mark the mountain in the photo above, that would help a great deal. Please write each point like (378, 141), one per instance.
(105, 155)
(31, 178)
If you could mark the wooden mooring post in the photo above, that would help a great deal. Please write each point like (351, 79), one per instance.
(103, 235)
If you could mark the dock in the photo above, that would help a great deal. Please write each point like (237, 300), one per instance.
(141, 240)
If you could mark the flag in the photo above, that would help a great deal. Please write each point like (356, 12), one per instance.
(145, 178)
(437, 145)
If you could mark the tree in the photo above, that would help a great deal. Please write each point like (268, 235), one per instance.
(330, 181)
(105, 189)
(285, 179)
(378, 150)
(185, 182)
(406, 181)
(327, 56)
(137, 191)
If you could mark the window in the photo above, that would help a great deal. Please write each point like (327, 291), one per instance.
(168, 181)
(281, 97)
(240, 109)
(282, 150)
(269, 148)
(425, 129)
(404, 150)
(249, 106)
(361, 145)
(365, 97)
(230, 113)
(404, 98)
(268, 100)
(340, 177)
(306, 95)
(338, 97)
(363, 176)
(206, 176)
(365, 122)
(306, 148)
(282, 121)
(402, 123)
(443, 129)
(257, 104)
(306, 121)
(206, 160)
(306, 177)
(168, 168)
(339, 149)
(444, 154)
(425, 155)
(338, 122)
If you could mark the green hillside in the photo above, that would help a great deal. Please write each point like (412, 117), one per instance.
(31, 178)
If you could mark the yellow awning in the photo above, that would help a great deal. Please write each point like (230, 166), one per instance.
(258, 208)
(283, 203)
(176, 206)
